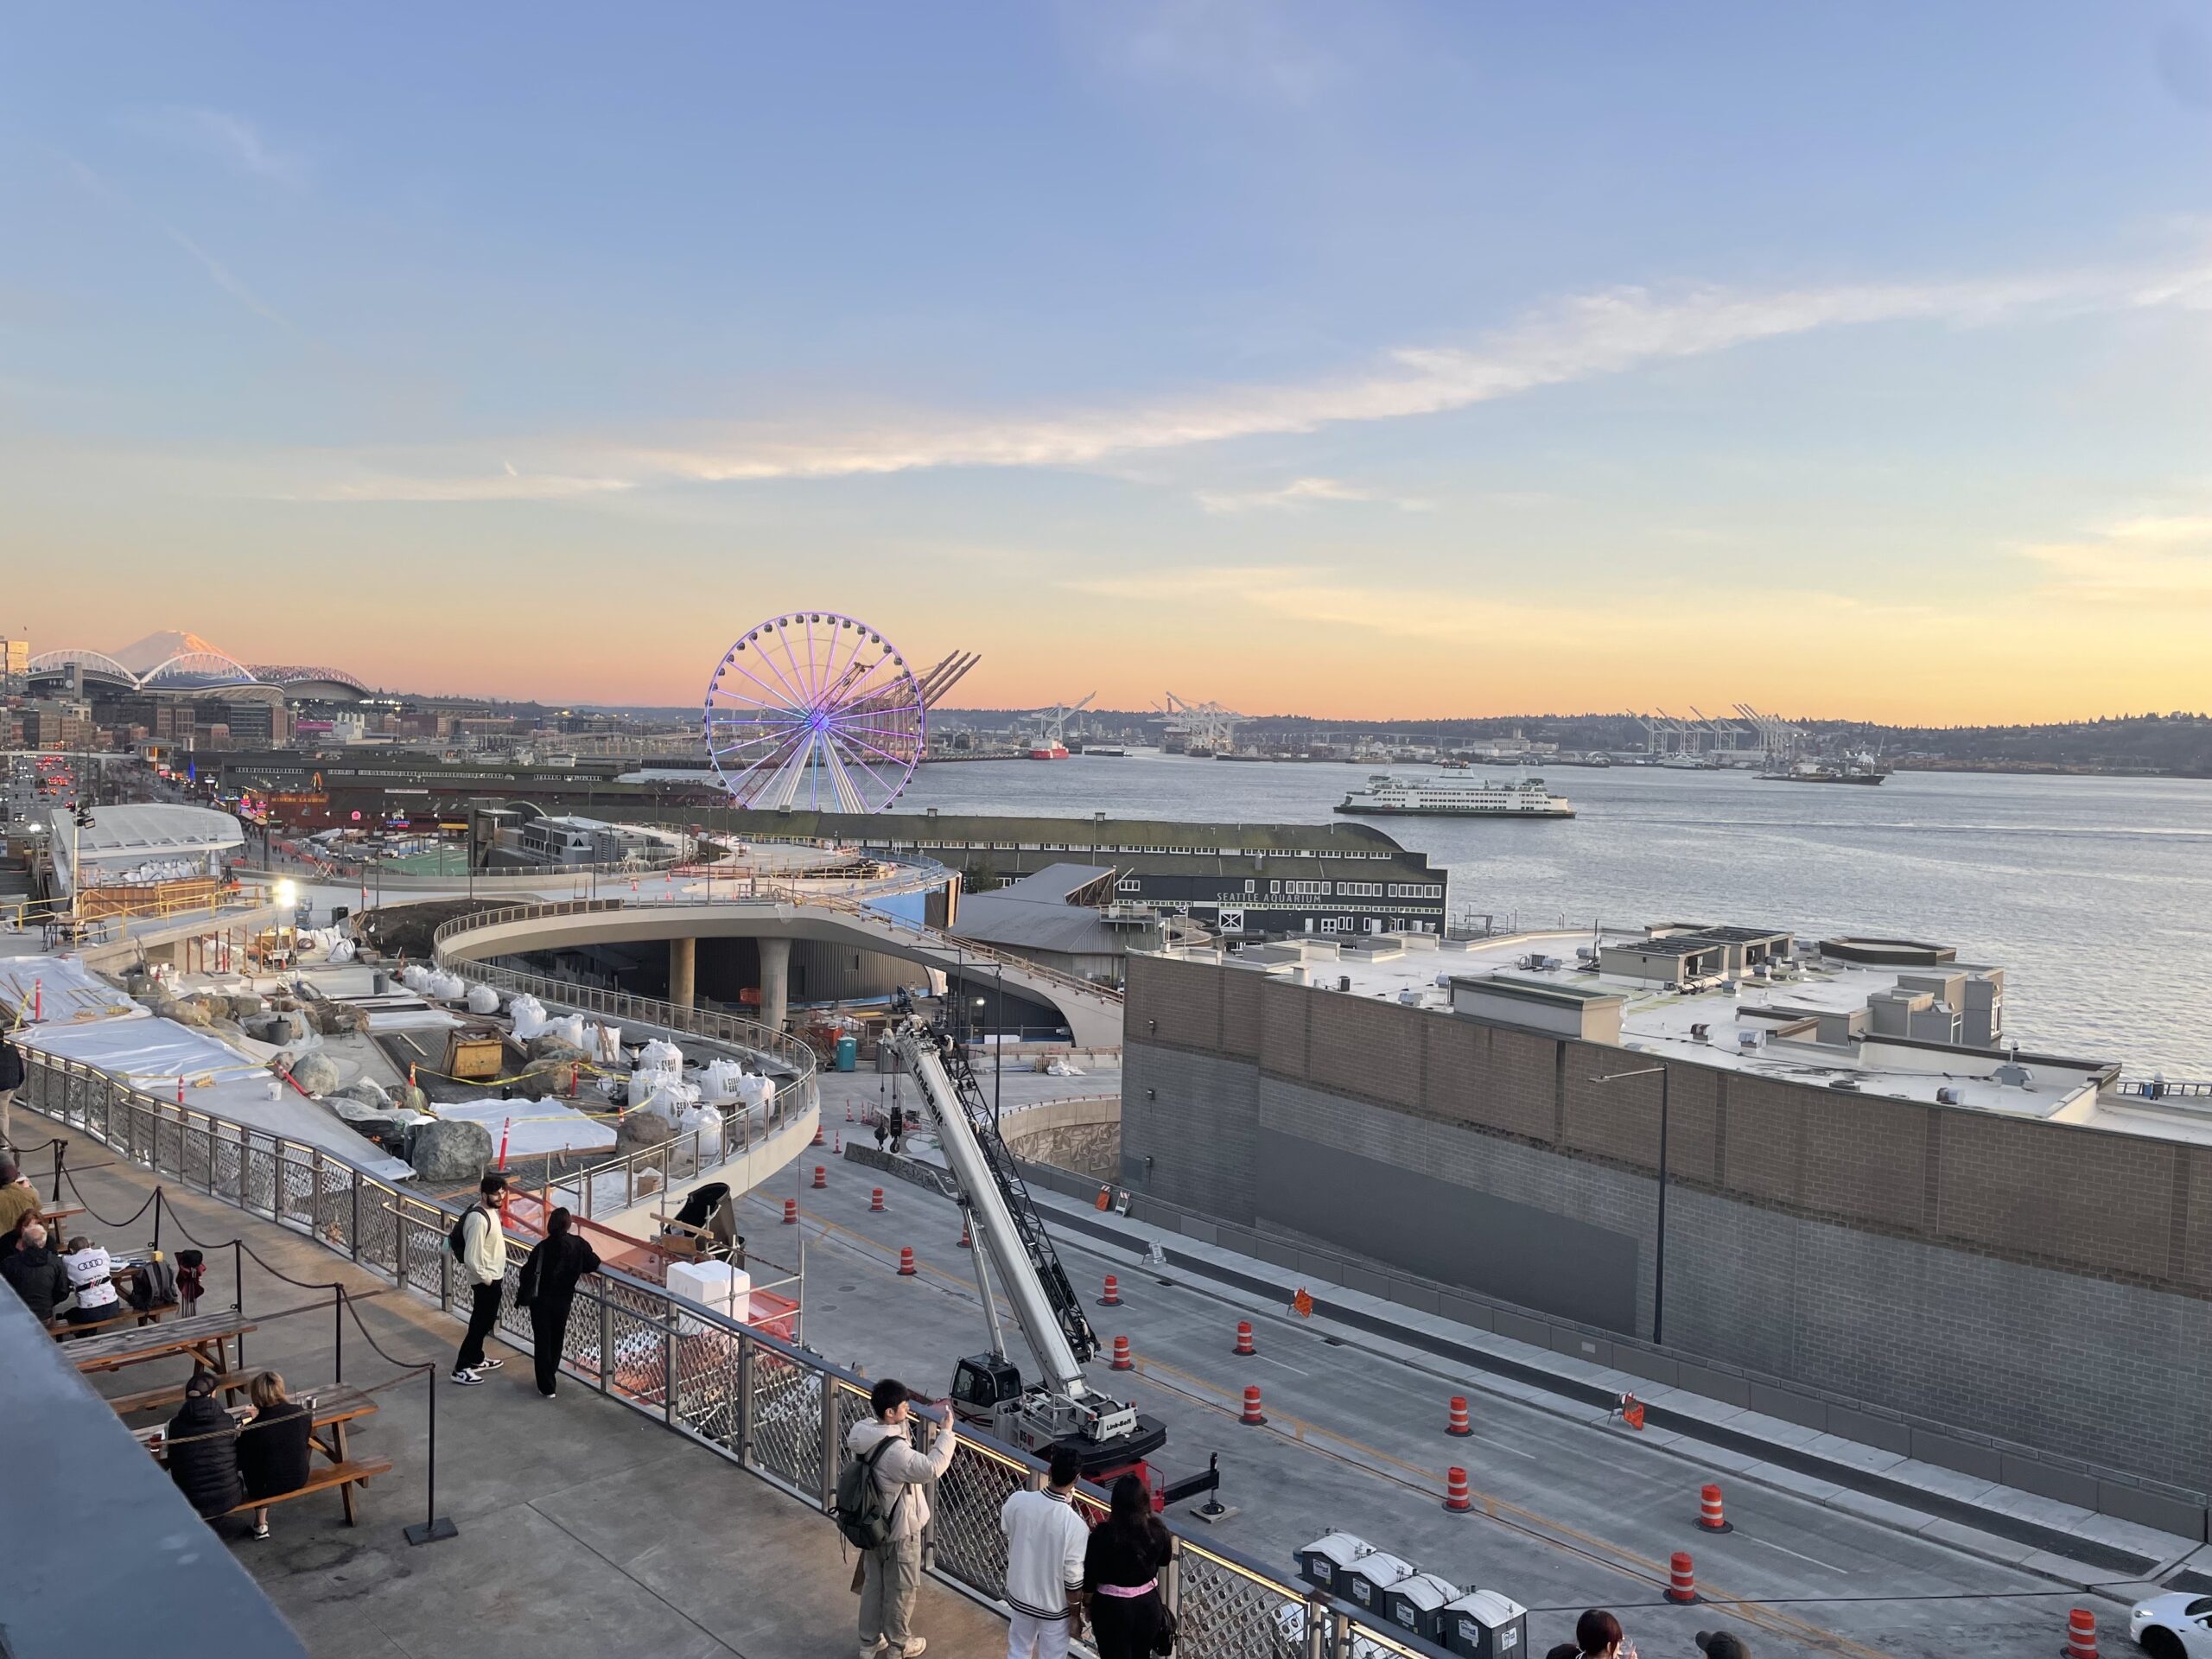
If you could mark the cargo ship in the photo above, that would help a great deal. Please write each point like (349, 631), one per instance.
(1851, 769)
(1457, 796)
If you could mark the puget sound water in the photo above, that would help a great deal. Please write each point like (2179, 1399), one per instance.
(2094, 893)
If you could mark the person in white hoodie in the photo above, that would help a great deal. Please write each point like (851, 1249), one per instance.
(891, 1575)
(483, 1268)
(1045, 1543)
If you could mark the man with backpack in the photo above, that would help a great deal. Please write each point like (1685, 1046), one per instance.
(480, 1247)
(881, 1510)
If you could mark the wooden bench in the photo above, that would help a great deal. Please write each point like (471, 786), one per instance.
(346, 1476)
(124, 1314)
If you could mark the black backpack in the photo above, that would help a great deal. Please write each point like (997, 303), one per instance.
(11, 1066)
(860, 1511)
(457, 1240)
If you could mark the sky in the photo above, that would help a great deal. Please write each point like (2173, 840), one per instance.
(1363, 361)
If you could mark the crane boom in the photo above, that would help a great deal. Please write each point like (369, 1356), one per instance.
(1006, 1225)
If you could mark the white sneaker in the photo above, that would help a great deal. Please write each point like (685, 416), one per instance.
(915, 1648)
(489, 1364)
(466, 1379)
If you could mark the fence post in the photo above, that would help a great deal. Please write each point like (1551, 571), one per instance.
(355, 1185)
(606, 1342)
(668, 1366)
(445, 1277)
(830, 1448)
(744, 1442)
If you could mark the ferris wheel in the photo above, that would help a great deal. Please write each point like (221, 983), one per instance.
(817, 710)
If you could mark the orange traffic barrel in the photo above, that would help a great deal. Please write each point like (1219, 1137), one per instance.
(1455, 1490)
(821, 1176)
(2081, 1634)
(1113, 1296)
(1252, 1406)
(817, 1132)
(966, 1241)
(1682, 1582)
(1709, 1518)
(1244, 1338)
(875, 1200)
(1121, 1362)
(906, 1261)
(1456, 1423)
(790, 1212)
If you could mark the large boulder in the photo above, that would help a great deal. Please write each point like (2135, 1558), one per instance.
(334, 1019)
(243, 1006)
(379, 1124)
(367, 1091)
(552, 1045)
(316, 1073)
(639, 1130)
(280, 1030)
(413, 1099)
(449, 1150)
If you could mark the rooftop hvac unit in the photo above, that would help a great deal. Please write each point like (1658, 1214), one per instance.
(1586, 953)
(1552, 965)
(2014, 1077)
(1410, 997)
(1748, 1040)
(1947, 1097)
(1343, 981)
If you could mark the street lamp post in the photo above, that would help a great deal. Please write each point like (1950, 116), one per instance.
(1659, 1251)
(998, 1049)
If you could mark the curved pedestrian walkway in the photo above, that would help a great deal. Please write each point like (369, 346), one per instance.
(586, 1529)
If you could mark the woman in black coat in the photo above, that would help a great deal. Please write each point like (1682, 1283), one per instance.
(547, 1285)
(273, 1450)
(202, 1450)
(1120, 1574)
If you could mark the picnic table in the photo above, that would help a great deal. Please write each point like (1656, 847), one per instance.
(335, 1406)
(52, 1218)
(204, 1337)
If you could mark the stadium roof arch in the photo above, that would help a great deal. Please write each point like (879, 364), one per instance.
(175, 661)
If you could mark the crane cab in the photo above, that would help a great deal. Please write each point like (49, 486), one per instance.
(981, 1383)
(1108, 1438)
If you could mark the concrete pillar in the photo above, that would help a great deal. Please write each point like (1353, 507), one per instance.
(683, 971)
(775, 981)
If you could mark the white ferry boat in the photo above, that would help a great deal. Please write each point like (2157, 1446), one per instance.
(1457, 795)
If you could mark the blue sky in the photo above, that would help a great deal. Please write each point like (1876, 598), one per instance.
(1346, 359)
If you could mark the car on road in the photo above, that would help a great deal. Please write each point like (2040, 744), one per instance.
(2176, 1626)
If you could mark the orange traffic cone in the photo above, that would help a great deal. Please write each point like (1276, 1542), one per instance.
(966, 1241)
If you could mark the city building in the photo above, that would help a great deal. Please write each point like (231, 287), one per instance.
(1823, 1171)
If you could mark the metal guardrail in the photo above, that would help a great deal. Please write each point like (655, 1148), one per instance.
(779, 1411)
(2160, 1089)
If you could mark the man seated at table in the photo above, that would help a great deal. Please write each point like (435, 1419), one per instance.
(18, 1204)
(35, 1272)
(200, 1444)
(273, 1452)
(92, 1276)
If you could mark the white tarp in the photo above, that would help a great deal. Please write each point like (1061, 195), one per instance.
(64, 990)
(534, 1126)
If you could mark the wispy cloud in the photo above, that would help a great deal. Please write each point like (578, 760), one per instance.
(1300, 494)
(2160, 560)
(220, 274)
(1577, 339)
(231, 139)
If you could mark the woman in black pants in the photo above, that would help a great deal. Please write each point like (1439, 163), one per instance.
(547, 1288)
(1121, 1573)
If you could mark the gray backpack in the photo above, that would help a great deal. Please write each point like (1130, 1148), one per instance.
(860, 1511)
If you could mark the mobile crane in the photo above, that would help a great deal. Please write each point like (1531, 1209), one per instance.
(1060, 1407)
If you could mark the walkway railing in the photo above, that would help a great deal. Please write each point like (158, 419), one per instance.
(779, 1411)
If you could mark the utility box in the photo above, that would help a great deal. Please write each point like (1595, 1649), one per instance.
(1325, 1562)
(1370, 1578)
(1484, 1624)
(474, 1054)
(1416, 1605)
(717, 1285)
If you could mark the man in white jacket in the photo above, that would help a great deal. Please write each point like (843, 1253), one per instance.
(483, 1269)
(1045, 1543)
(891, 1574)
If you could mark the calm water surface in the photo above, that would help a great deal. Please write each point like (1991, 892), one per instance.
(2095, 894)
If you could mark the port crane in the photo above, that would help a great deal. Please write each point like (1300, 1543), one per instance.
(1059, 1408)
(1205, 727)
(1052, 722)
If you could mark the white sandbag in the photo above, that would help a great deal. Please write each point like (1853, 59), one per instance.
(415, 976)
(645, 1083)
(610, 1043)
(718, 1080)
(482, 999)
(656, 1055)
(570, 1029)
(529, 1016)
(707, 1124)
(341, 950)
(756, 1090)
(1062, 1068)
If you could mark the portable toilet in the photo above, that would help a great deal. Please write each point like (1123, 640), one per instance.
(1370, 1576)
(1484, 1625)
(1325, 1562)
(848, 1052)
(1417, 1604)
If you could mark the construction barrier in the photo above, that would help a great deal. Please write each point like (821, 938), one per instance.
(2081, 1634)
(1456, 1423)
(906, 1261)
(1709, 1518)
(1113, 1296)
(1682, 1582)
(1632, 1411)
(1252, 1406)
(1455, 1490)
(821, 1176)
(875, 1200)
(817, 1132)
(1121, 1362)
(790, 1212)
(1245, 1340)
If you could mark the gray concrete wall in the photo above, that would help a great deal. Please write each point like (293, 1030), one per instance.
(2036, 1283)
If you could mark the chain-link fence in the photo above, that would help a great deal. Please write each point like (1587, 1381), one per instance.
(779, 1411)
